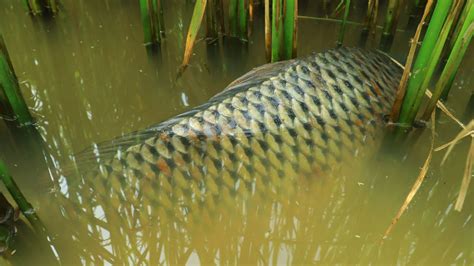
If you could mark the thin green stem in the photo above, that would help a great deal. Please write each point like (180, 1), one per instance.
(276, 29)
(342, 31)
(233, 17)
(390, 25)
(289, 31)
(415, 92)
(145, 16)
(243, 19)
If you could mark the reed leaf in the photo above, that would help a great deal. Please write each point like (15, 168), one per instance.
(233, 9)
(277, 29)
(243, 20)
(196, 20)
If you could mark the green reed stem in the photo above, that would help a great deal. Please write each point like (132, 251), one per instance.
(414, 94)
(277, 28)
(11, 88)
(151, 12)
(211, 20)
(390, 25)
(243, 20)
(370, 21)
(438, 48)
(233, 4)
(25, 207)
(42, 7)
(459, 24)
(454, 60)
(342, 31)
(290, 29)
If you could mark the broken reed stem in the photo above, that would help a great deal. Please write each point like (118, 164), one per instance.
(342, 31)
(11, 89)
(414, 92)
(416, 186)
(394, 114)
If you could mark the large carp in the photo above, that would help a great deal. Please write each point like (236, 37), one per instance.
(277, 124)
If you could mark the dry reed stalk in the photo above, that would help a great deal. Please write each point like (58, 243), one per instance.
(416, 186)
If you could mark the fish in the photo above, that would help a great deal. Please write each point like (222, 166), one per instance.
(272, 127)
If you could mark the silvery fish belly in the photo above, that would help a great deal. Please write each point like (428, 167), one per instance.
(270, 128)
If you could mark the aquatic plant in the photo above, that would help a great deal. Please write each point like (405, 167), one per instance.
(152, 20)
(14, 105)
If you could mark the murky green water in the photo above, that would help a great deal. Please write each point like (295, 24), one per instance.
(88, 78)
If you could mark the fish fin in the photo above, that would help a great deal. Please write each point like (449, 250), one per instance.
(254, 77)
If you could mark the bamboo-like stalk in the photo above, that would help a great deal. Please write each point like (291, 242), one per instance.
(342, 31)
(268, 32)
(243, 20)
(11, 88)
(233, 4)
(277, 28)
(390, 25)
(454, 60)
(290, 21)
(395, 112)
(414, 93)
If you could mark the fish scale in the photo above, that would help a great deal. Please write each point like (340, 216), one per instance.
(269, 129)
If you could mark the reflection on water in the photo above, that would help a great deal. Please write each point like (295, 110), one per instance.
(89, 79)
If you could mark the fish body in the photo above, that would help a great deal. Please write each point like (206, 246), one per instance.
(275, 125)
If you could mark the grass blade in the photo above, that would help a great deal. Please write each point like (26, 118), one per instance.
(290, 29)
(342, 31)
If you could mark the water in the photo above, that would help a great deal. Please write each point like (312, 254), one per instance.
(88, 78)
